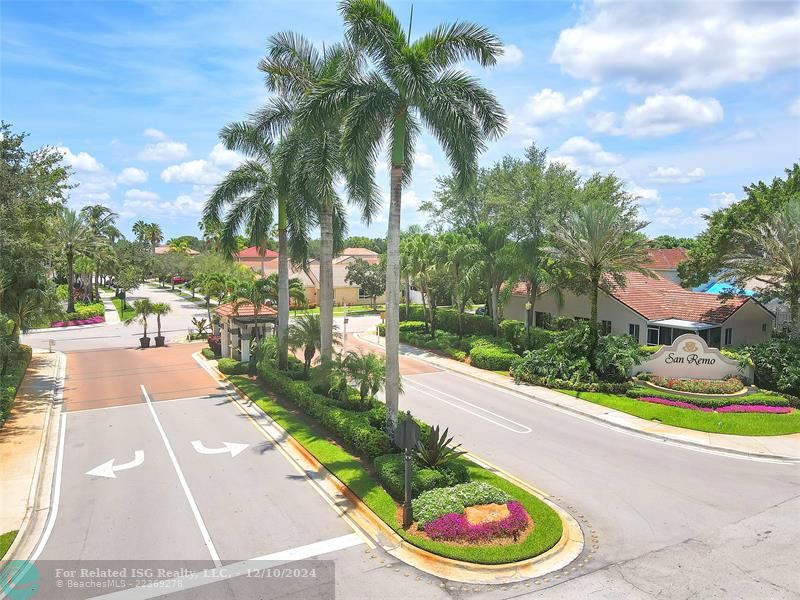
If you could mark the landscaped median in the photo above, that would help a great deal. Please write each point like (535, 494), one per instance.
(350, 444)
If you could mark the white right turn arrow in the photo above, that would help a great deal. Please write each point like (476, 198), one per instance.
(107, 469)
(227, 447)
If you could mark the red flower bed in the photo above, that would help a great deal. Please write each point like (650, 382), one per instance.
(731, 385)
(733, 408)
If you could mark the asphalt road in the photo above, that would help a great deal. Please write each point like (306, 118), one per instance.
(672, 522)
(180, 497)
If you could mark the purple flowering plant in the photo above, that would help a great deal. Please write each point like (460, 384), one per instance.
(455, 526)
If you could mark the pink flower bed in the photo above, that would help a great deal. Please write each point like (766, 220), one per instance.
(733, 408)
(757, 408)
(455, 526)
(677, 403)
(89, 321)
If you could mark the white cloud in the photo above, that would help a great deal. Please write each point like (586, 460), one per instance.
(185, 204)
(722, 199)
(137, 197)
(512, 56)
(82, 161)
(794, 107)
(131, 176)
(202, 171)
(549, 104)
(745, 135)
(666, 115)
(644, 196)
(139, 203)
(680, 45)
(163, 149)
(675, 175)
(585, 155)
(602, 122)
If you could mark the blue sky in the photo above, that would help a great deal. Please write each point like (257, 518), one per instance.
(687, 101)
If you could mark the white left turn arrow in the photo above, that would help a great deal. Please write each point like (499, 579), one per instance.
(107, 469)
(227, 447)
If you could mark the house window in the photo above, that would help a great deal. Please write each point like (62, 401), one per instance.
(605, 327)
(653, 336)
(633, 330)
(763, 327)
(728, 336)
(362, 295)
(543, 319)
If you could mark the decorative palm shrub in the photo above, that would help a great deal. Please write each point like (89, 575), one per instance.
(159, 309)
(142, 309)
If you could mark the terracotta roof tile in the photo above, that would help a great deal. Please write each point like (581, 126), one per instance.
(665, 258)
(363, 252)
(252, 252)
(245, 310)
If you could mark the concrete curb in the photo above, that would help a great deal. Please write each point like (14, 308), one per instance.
(655, 436)
(350, 507)
(40, 496)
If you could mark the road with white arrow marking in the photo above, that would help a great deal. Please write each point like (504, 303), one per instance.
(109, 469)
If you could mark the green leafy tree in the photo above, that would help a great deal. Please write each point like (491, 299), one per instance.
(770, 254)
(595, 244)
(670, 241)
(460, 260)
(370, 278)
(726, 229)
(410, 84)
(255, 294)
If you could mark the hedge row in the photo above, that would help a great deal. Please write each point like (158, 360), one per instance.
(761, 398)
(86, 311)
(357, 429)
(15, 373)
(230, 366)
(492, 357)
(576, 386)
(447, 320)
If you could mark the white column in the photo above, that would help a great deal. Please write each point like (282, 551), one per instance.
(245, 342)
(225, 341)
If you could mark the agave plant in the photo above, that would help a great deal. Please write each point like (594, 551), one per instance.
(201, 325)
(436, 450)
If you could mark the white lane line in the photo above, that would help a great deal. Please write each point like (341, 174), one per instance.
(620, 429)
(520, 428)
(238, 569)
(195, 511)
(51, 520)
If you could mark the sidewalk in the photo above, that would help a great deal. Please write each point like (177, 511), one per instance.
(23, 440)
(112, 316)
(780, 446)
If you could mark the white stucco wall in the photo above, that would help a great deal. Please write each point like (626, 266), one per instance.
(608, 309)
(748, 324)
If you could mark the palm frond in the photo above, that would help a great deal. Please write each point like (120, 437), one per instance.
(449, 44)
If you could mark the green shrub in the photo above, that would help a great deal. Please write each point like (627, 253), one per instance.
(776, 364)
(730, 385)
(18, 363)
(563, 323)
(577, 386)
(433, 504)
(390, 470)
(86, 311)
(412, 326)
(208, 353)
(230, 366)
(492, 358)
(355, 429)
(454, 472)
(447, 320)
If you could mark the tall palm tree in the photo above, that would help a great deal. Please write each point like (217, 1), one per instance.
(411, 82)
(306, 332)
(459, 256)
(140, 230)
(597, 244)
(313, 152)
(154, 236)
(297, 291)
(76, 239)
(770, 253)
(253, 191)
(101, 222)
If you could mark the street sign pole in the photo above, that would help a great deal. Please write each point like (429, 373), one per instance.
(407, 512)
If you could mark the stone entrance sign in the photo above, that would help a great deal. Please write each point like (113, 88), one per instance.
(689, 357)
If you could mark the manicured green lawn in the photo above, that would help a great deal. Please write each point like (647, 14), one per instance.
(354, 474)
(127, 313)
(338, 311)
(5, 542)
(711, 422)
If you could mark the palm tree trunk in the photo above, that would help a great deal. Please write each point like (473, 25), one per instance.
(593, 322)
(408, 297)
(495, 311)
(283, 287)
(392, 339)
(326, 284)
(70, 282)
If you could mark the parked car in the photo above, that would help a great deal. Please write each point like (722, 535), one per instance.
(178, 280)
(481, 310)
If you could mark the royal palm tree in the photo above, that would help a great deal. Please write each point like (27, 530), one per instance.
(101, 222)
(76, 239)
(154, 236)
(412, 83)
(306, 332)
(597, 244)
(312, 147)
(770, 253)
